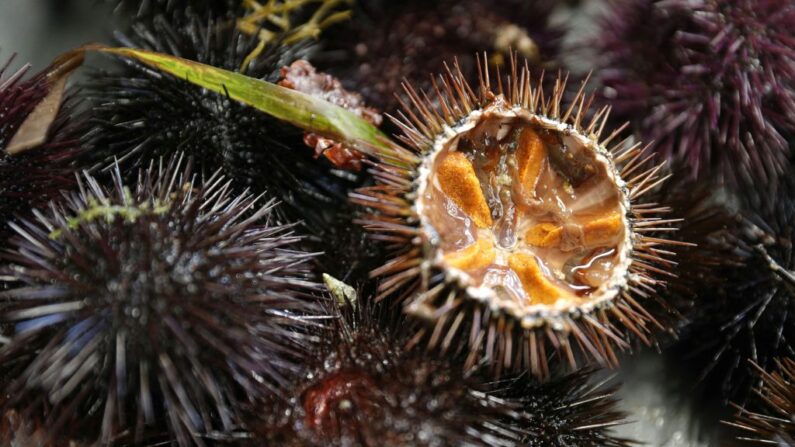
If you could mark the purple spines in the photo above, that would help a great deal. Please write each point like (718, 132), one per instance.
(711, 83)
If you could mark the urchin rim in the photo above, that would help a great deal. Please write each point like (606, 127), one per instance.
(534, 315)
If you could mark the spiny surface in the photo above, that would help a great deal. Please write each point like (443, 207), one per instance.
(156, 306)
(735, 287)
(772, 423)
(35, 176)
(387, 42)
(710, 82)
(365, 388)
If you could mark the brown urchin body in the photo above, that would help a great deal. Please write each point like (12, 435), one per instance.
(577, 252)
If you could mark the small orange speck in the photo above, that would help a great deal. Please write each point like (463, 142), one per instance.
(458, 180)
(472, 257)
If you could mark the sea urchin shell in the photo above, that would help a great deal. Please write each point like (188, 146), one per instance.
(516, 228)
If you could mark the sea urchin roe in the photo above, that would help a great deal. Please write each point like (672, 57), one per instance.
(526, 211)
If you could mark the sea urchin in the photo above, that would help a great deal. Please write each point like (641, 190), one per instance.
(711, 82)
(155, 307)
(517, 231)
(364, 388)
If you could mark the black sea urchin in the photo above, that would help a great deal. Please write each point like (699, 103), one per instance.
(141, 114)
(749, 311)
(774, 423)
(365, 389)
(711, 82)
(517, 231)
(152, 307)
(388, 42)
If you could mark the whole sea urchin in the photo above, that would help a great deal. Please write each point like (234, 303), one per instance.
(517, 232)
(364, 388)
(150, 309)
(773, 423)
(711, 82)
(139, 115)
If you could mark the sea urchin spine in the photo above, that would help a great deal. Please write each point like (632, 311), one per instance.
(777, 394)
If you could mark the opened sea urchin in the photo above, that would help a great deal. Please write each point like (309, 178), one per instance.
(517, 227)
(150, 308)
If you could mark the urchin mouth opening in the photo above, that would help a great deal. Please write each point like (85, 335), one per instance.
(526, 214)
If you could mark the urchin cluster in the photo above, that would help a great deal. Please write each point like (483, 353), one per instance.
(152, 308)
(388, 42)
(715, 85)
(365, 387)
(747, 313)
(772, 423)
(138, 114)
(35, 176)
(518, 229)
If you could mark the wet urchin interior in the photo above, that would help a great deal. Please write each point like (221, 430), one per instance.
(386, 42)
(518, 230)
(152, 307)
(709, 82)
(365, 387)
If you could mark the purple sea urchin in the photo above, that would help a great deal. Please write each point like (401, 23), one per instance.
(516, 227)
(710, 82)
(773, 424)
(151, 307)
(34, 176)
(364, 389)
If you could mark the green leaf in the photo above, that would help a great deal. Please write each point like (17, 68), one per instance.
(302, 110)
